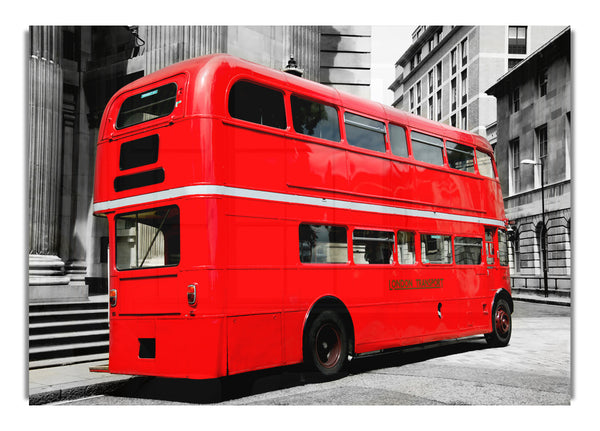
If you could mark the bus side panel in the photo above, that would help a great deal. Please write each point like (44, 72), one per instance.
(311, 165)
(368, 175)
(254, 342)
(255, 158)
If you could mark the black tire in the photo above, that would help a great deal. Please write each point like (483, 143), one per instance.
(501, 324)
(326, 344)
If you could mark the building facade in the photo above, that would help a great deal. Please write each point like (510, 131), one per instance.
(533, 154)
(443, 75)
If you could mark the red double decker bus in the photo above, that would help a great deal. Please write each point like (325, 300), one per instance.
(258, 219)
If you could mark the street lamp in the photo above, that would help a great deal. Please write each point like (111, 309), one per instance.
(545, 240)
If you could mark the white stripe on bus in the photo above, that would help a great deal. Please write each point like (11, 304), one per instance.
(287, 198)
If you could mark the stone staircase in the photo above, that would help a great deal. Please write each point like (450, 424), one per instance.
(68, 332)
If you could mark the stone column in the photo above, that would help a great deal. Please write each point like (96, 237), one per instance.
(166, 45)
(46, 269)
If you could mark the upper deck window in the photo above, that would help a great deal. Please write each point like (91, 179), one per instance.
(485, 165)
(398, 141)
(315, 119)
(364, 132)
(427, 148)
(257, 104)
(146, 106)
(460, 156)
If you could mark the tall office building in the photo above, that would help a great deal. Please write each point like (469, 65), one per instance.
(444, 73)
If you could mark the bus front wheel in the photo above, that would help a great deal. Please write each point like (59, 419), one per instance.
(326, 346)
(501, 324)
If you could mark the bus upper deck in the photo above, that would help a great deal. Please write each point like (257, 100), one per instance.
(258, 129)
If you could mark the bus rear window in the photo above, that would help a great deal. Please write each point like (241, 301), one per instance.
(146, 106)
(148, 239)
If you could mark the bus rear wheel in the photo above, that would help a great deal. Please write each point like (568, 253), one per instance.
(326, 346)
(501, 324)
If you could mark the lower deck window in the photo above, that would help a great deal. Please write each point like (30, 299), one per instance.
(371, 246)
(406, 248)
(147, 239)
(436, 249)
(323, 244)
(468, 250)
(502, 247)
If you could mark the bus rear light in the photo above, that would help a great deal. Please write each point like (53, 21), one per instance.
(113, 297)
(191, 294)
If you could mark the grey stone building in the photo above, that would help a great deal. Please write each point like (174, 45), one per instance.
(533, 154)
(443, 75)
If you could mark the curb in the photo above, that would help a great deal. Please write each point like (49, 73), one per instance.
(76, 391)
(543, 300)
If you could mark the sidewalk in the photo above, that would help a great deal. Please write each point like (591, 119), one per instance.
(53, 384)
(48, 385)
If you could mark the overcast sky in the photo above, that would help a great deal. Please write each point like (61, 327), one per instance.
(388, 43)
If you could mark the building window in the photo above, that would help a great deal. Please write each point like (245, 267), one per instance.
(438, 101)
(517, 252)
(430, 112)
(438, 71)
(516, 100)
(512, 62)
(514, 164)
(430, 81)
(453, 94)
(542, 139)
(453, 60)
(411, 98)
(323, 244)
(418, 92)
(464, 52)
(463, 119)
(517, 40)
(543, 82)
(453, 120)
(372, 247)
(463, 87)
(541, 238)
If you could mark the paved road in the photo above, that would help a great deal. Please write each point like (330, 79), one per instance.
(534, 369)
